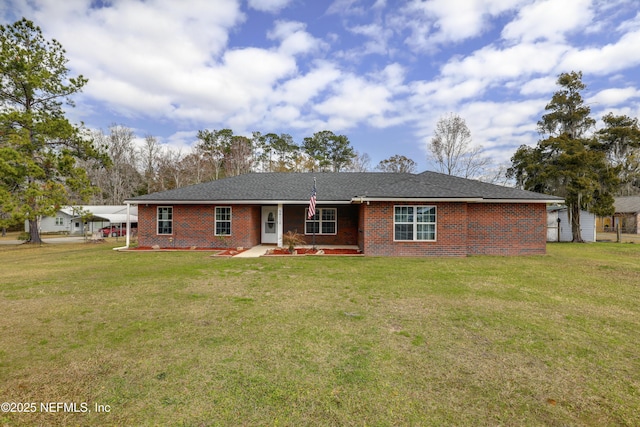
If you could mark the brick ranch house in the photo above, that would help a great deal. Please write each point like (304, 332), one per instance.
(385, 214)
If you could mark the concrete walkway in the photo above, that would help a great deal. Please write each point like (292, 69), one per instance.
(254, 252)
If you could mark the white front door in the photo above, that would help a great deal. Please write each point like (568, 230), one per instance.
(270, 224)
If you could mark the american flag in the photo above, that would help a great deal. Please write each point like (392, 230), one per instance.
(312, 201)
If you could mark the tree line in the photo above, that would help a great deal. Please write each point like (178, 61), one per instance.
(136, 169)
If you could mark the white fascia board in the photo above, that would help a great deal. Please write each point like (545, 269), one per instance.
(414, 199)
(444, 199)
(521, 201)
(236, 202)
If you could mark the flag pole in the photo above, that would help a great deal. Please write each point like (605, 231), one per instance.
(313, 244)
(312, 211)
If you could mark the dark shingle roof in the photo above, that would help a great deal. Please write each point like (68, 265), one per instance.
(629, 204)
(338, 187)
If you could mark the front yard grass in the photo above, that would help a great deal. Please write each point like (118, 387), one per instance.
(181, 338)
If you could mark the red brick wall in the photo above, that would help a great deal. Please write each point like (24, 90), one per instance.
(293, 218)
(193, 225)
(507, 229)
(451, 232)
(462, 229)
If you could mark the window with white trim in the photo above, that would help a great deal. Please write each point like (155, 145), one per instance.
(223, 221)
(165, 219)
(325, 221)
(59, 220)
(414, 223)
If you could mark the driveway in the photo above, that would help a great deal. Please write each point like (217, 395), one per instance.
(55, 240)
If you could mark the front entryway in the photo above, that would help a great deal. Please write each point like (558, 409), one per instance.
(270, 224)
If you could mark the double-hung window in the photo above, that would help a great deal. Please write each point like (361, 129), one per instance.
(223, 221)
(165, 220)
(325, 221)
(413, 223)
(59, 220)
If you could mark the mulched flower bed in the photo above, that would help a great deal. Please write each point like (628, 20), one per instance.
(228, 252)
(309, 251)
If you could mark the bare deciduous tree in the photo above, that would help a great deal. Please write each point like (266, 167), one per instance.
(451, 151)
(171, 172)
(195, 167)
(360, 163)
(238, 157)
(122, 179)
(149, 162)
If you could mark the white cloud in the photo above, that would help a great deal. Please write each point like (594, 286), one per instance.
(542, 85)
(128, 99)
(499, 127)
(294, 39)
(492, 120)
(302, 89)
(444, 21)
(519, 61)
(187, 34)
(631, 24)
(607, 59)
(240, 64)
(355, 99)
(370, 99)
(182, 140)
(378, 39)
(272, 6)
(614, 96)
(284, 114)
(141, 57)
(446, 92)
(235, 88)
(549, 20)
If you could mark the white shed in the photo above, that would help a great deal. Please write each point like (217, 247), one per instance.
(587, 225)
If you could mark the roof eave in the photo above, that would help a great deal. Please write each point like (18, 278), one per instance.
(236, 202)
(415, 199)
(452, 199)
(545, 201)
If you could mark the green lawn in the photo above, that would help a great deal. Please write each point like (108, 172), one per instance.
(180, 338)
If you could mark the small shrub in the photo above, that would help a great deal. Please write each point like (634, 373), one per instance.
(292, 239)
(223, 241)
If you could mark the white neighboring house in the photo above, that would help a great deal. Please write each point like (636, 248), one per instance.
(587, 225)
(69, 219)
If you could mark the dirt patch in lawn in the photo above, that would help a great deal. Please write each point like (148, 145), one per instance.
(613, 237)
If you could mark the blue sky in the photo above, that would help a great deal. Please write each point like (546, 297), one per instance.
(380, 72)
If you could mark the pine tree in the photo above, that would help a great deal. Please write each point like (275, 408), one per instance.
(38, 145)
